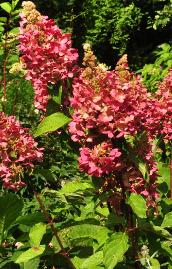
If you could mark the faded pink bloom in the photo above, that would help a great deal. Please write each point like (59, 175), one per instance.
(18, 152)
(101, 160)
(113, 106)
(47, 55)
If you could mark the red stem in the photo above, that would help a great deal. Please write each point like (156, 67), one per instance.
(54, 230)
(131, 229)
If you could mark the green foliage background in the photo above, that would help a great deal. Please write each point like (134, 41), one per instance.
(115, 27)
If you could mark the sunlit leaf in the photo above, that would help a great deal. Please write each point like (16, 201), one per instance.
(10, 209)
(93, 261)
(138, 205)
(114, 249)
(51, 123)
(30, 254)
(36, 234)
(167, 222)
(6, 6)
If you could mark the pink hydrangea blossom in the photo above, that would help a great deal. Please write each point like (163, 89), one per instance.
(46, 53)
(114, 107)
(164, 96)
(18, 152)
(101, 160)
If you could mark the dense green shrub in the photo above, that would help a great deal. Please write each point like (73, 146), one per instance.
(114, 27)
(153, 73)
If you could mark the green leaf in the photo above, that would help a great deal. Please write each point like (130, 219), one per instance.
(104, 211)
(167, 246)
(16, 12)
(114, 249)
(77, 262)
(31, 219)
(36, 234)
(93, 261)
(55, 244)
(167, 222)
(164, 172)
(6, 6)
(138, 205)
(31, 264)
(155, 264)
(75, 186)
(58, 98)
(10, 209)
(51, 123)
(99, 233)
(161, 231)
(3, 19)
(15, 30)
(143, 169)
(30, 254)
(61, 197)
(14, 3)
(1, 29)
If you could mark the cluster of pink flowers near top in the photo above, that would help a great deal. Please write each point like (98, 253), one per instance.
(18, 151)
(46, 52)
(111, 109)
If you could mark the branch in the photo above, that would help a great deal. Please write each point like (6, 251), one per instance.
(54, 230)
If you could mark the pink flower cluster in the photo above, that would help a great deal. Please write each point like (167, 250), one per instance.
(164, 96)
(46, 53)
(102, 159)
(18, 151)
(113, 109)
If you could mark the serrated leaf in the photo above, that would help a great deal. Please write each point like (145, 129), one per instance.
(6, 6)
(167, 222)
(30, 254)
(36, 234)
(75, 186)
(138, 205)
(61, 197)
(31, 219)
(51, 123)
(114, 249)
(99, 233)
(93, 261)
(10, 209)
